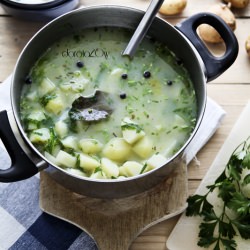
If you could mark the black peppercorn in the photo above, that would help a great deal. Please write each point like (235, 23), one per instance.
(124, 76)
(79, 64)
(169, 82)
(146, 74)
(28, 80)
(123, 95)
(178, 61)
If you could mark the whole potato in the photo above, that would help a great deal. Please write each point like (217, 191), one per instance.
(208, 33)
(238, 3)
(172, 7)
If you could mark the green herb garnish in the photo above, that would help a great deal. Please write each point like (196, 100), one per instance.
(132, 126)
(52, 142)
(219, 228)
(143, 168)
(46, 98)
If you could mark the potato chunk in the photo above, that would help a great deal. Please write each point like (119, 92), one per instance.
(88, 163)
(65, 159)
(131, 168)
(70, 142)
(55, 105)
(143, 148)
(98, 175)
(36, 116)
(61, 128)
(34, 119)
(50, 158)
(117, 149)
(76, 172)
(155, 161)
(46, 86)
(90, 146)
(41, 135)
(131, 131)
(110, 168)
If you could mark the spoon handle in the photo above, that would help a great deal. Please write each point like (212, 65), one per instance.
(142, 28)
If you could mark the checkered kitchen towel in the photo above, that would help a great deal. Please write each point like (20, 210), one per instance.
(24, 226)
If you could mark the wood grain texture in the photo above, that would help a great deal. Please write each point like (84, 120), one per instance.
(115, 223)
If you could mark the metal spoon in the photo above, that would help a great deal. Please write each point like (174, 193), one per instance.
(142, 28)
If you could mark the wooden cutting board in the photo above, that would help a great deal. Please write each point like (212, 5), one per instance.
(187, 228)
(118, 220)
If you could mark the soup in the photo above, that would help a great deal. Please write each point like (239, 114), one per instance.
(98, 114)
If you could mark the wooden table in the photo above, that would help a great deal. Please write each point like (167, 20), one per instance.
(231, 90)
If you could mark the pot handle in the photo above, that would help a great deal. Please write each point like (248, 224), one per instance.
(21, 166)
(215, 66)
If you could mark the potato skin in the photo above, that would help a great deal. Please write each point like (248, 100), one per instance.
(172, 7)
(208, 33)
(247, 46)
(238, 3)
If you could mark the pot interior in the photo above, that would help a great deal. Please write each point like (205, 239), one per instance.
(108, 16)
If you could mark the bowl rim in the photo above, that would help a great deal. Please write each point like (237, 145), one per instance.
(33, 6)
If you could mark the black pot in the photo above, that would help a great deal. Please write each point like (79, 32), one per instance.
(181, 39)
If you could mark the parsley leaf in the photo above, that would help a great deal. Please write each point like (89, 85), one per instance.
(219, 228)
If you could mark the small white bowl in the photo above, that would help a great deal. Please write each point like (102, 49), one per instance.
(38, 10)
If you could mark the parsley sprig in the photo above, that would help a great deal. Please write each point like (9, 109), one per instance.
(218, 228)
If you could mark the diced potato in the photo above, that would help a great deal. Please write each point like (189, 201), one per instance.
(36, 116)
(32, 126)
(55, 105)
(110, 168)
(144, 147)
(75, 172)
(32, 96)
(70, 142)
(117, 149)
(98, 175)
(131, 168)
(90, 146)
(65, 159)
(88, 163)
(122, 171)
(131, 131)
(131, 136)
(61, 128)
(34, 119)
(41, 135)
(155, 161)
(50, 157)
(46, 86)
